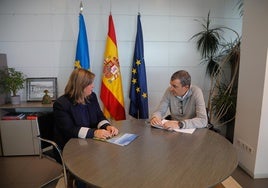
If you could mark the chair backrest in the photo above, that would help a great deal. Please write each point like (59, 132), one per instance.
(46, 128)
(210, 126)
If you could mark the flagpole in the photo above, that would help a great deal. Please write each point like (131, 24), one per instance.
(110, 7)
(139, 6)
(81, 7)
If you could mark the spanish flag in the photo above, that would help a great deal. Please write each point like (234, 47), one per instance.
(111, 86)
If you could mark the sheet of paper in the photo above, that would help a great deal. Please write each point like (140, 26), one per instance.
(189, 131)
(122, 139)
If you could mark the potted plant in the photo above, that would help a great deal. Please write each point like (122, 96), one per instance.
(12, 81)
(220, 56)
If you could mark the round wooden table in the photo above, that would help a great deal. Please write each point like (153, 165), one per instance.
(156, 158)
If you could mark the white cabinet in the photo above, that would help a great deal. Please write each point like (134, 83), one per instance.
(18, 137)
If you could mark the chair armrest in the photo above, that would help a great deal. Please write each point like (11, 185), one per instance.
(59, 152)
(52, 143)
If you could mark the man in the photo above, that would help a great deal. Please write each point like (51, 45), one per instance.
(185, 103)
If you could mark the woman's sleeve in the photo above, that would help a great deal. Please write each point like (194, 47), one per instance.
(101, 119)
(64, 120)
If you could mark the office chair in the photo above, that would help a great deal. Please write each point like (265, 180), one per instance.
(210, 126)
(47, 147)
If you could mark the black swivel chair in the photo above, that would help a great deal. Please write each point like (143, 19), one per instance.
(210, 126)
(47, 146)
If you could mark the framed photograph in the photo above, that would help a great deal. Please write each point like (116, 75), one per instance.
(36, 87)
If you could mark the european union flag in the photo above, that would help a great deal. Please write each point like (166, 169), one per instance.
(82, 54)
(138, 87)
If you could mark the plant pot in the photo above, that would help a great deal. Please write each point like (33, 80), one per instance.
(15, 99)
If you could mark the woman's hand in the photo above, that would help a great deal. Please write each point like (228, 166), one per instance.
(102, 133)
(113, 130)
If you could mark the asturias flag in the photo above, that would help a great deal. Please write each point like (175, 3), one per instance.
(138, 87)
(82, 53)
(111, 85)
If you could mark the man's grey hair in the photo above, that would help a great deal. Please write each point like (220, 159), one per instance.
(183, 76)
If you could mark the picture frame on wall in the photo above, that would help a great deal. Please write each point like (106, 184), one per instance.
(36, 87)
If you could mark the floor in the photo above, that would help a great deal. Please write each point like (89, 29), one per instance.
(31, 172)
(247, 182)
(27, 172)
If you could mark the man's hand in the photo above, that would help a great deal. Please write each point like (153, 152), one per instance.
(156, 121)
(170, 125)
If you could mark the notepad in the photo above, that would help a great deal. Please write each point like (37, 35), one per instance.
(189, 131)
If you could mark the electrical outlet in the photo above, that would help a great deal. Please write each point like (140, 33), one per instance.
(244, 146)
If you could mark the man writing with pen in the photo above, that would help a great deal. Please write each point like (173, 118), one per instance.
(185, 103)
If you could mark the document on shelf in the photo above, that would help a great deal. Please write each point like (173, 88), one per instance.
(189, 131)
(122, 139)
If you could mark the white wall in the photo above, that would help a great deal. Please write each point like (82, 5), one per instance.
(39, 37)
(252, 101)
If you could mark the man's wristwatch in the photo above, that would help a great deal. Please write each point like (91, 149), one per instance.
(180, 124)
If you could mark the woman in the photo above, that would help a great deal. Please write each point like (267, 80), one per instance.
(77, 112)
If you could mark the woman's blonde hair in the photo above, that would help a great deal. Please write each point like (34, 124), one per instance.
(78, 81)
